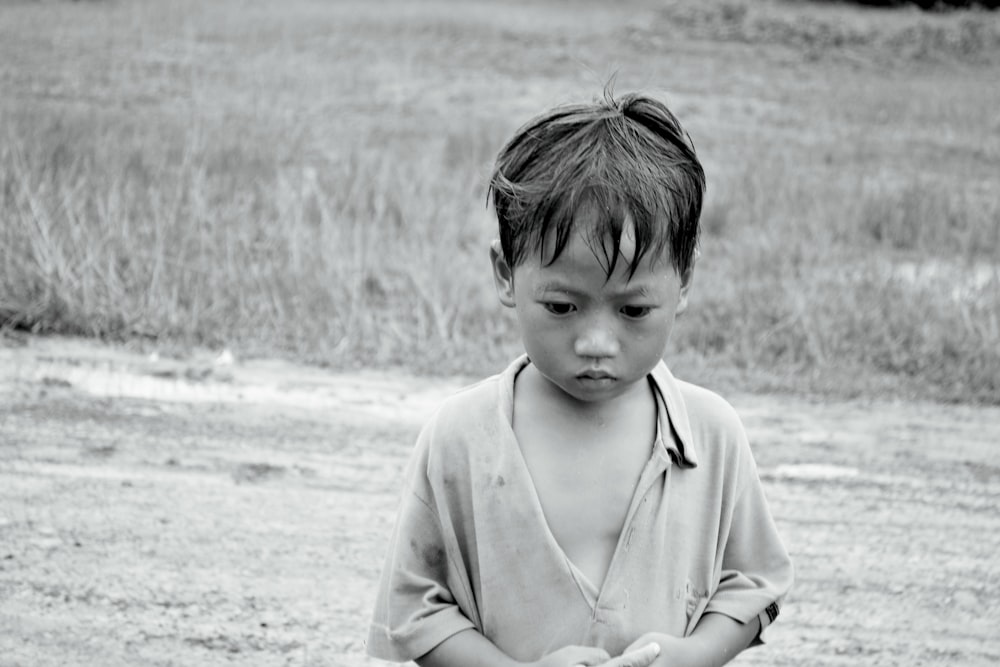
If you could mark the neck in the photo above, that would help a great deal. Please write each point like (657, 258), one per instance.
(598, 413)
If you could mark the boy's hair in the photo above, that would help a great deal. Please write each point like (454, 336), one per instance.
(625, 156)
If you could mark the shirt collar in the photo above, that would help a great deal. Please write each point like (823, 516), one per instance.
(673, 426)
(679, 441)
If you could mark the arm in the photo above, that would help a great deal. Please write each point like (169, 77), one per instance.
(471, 649)
(468, 648)
(424, 593)
(715, 641)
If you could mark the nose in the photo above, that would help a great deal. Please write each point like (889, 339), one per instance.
(597, 341)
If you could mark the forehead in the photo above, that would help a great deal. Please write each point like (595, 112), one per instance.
(608, 234)
(583, 265)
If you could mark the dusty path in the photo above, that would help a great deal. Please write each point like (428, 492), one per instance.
(155, 512)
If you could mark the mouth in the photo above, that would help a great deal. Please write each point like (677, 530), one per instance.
(596, 376)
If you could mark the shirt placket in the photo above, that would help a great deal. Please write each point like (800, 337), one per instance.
(613, 599)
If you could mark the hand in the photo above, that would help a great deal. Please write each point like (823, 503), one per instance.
(674, 651)
(585, 656)
(639, 654)
(572, 656)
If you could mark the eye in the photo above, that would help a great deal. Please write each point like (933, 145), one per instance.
(558, 308)
(635, 312)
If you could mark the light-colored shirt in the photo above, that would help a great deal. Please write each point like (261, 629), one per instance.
(471, 547)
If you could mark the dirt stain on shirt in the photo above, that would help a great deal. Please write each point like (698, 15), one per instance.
(432, 555)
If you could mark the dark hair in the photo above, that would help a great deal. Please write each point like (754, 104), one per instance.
(625, 156)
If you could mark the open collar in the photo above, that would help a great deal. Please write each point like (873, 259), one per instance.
(674, 427)
(681, 446)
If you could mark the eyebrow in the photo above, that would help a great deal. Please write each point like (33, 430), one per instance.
(632, 292)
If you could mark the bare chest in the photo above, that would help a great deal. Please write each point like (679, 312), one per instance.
(585, 486)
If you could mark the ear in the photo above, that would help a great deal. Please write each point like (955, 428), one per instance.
(503, 274)
(686, 279)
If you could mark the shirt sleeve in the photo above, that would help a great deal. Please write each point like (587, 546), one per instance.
(423, 586)
(756, 571)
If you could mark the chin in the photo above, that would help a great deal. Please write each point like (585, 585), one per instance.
(587, 391)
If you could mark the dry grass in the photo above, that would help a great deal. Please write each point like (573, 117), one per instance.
(843, 29)
(307, 180)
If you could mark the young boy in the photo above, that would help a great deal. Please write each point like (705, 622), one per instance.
(584, 507)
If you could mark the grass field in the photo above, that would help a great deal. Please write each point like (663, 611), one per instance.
(306, 179)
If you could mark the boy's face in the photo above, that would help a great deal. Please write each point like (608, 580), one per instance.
(592, 336)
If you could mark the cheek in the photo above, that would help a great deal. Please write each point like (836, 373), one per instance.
(654, 334)
(540, 330)
(535, 318)
(530, 321)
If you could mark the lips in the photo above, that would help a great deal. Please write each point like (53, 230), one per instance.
(595, 375)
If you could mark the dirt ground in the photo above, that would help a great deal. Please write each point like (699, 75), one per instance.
(208, 512)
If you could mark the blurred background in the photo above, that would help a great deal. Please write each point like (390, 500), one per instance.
(306, 179)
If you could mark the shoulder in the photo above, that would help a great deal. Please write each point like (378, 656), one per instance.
(468, 409)
(479, 407)
(462, 441)
(708, 412)
(716, 432)
(467, 425)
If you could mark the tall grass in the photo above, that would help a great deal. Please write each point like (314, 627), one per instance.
(836, 28)
(845, 250)
(898, 282)
(350, 259)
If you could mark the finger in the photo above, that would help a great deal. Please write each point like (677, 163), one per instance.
(640, 657)
(641, 642)
(585, 656)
